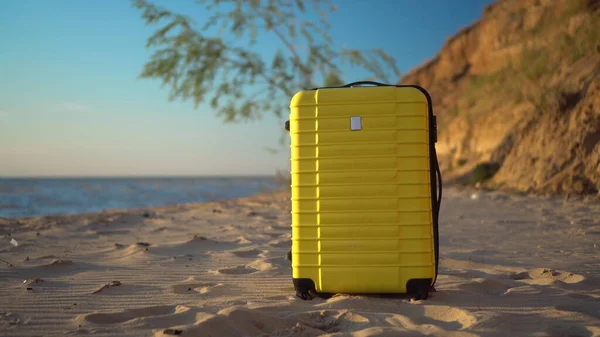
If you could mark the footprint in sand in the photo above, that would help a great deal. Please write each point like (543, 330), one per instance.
(544, 276)
(418, 317)
(236, 302)
(239, 270)
(273, 235)
(246, 253)
(281, 243)
(59, 262)
(272, 262)
(127, 315)
(433, 320)
(243, 240)
(332, 321)
(235, 321)
(286, 228)
(194, 288)
(46, 257)
(570, 329)
(158, 317)
(451, 316)
(195, 246)
(261, 265)
(121, 251)
(112, 232)
(591, 309)
(487, 286)
(8, 320)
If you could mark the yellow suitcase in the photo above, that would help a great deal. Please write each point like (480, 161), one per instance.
(364, 191)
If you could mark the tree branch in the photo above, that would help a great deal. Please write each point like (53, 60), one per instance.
(195, 64)
(285, 41)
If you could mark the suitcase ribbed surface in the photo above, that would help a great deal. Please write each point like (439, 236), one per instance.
(361, 199)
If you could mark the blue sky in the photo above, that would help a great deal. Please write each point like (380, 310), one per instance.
(71, 103)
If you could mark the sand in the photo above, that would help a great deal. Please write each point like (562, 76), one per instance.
(510, 266)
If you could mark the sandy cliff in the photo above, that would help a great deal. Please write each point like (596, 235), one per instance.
(517, 96)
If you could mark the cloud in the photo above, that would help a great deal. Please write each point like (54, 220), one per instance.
(76, 107)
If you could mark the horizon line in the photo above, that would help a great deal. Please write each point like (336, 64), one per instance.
(140, 176)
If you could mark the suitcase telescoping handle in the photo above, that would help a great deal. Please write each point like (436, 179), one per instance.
(354, 84)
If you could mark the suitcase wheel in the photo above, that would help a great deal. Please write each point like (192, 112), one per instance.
(305, 295)
(305, 288)
(418, 288)
(418, 297)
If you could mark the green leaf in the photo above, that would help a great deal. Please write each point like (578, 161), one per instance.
(233, 76)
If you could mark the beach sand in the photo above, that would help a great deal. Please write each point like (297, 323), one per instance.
(510, 265)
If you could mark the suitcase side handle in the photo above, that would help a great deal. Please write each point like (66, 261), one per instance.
(354, 84)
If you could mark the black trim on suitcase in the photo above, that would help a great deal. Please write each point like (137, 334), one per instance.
(417, 288)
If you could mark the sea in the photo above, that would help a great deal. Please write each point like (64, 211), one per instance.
(29, 197)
